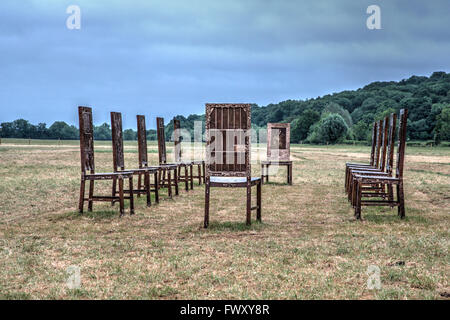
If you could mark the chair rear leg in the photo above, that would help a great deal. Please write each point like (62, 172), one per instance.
(204, 172)
(358, 200)
(139, 184)
(186, 179)
(249, 204)
(191, 171)
(81, 201)
(156, 187)
(169, 187)
(207, 197)
(401, 200)
(199, 170)
(176, 182)
(114, 190)
(131, 195)
(258, 201)
(147, 188)
(91, 194)
(121, 202)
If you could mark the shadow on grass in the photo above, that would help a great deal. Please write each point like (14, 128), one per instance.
(234, 226)
(391, 216)
(95, 214)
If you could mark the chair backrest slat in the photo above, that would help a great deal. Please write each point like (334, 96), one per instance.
(384, 142)
(142, 141)
(117, 141)
(228, 139)
(401, 143)
(86, 139)
(391, 142)
(374, 143)
(378, 146)
(161, 140)
(177, 139)
(278, 141)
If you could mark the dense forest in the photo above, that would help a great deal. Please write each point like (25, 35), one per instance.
(333, 118)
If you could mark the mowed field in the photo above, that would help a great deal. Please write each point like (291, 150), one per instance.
(308, 246)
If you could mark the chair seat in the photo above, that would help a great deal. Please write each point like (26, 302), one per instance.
(107, 176)
(197, 162)
(376, 179)
(276, 162)
(232, 181)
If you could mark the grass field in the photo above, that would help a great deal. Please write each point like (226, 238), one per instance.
(307, 247)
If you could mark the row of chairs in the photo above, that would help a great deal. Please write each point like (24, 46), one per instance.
(364, 182)
(161, 173)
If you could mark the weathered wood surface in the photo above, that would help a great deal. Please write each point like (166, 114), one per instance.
(88, 167)
(228, 153)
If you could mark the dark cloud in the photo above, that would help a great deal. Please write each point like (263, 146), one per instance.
(170, 57)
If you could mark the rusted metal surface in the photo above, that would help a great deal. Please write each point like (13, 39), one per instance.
(375, 179)
(166, 169)
(119, 163)
(278, 150)
(228, 153)
(88, 167)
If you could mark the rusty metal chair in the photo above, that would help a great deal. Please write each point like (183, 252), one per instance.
(278, 150)
(88, 168)
(374, 155)
(386, 164)
(119, 161)
(186, 165)
(359, 181)
(228, 153)
(166, 169)
(143, 157)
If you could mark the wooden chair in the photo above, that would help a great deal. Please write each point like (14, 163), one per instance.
(278, 150)
(88, 167)
(143, 157)
(228, 153)
(360, 180)
(188, 166)
(376, 143)
(119, 162)
(166, 169)
(386, 164)
(380, 157)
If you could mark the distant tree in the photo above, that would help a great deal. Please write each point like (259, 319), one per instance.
(61, 130)
(360, 130)
(442, 132)
(102, 132)
(333, 107)
(301, 125)
(129, 134)
(330, 129)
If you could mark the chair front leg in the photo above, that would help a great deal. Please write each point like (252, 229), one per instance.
(114, 190)
(401, 200)
(249, 204)
(121, 202)
(258, 201)
(81, 201)
(156, 187)
(147, 188)
(358, 199)
(91, 194)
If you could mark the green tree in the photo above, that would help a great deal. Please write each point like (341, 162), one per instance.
(301, 125)
(442, 132)
(361, 130)
(330, 129)
(129, 134)
(102, 132)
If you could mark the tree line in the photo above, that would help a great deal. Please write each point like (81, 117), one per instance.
(333, 118)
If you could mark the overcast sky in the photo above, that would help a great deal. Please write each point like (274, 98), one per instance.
(164, 58)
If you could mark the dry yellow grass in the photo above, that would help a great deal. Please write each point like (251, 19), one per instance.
(308, 245)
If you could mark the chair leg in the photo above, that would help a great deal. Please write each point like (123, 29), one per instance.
(390, 194)
(258, 201)
(207, 195)
(169, 187)
(203, 171)
(401, 200)
(114, 188)
(262, 172)
(91, 194)
(81, 201)
(121, 202)
(290, 174)
(176, 182)
(191, 170)
(131, 195)
(358, 200)
(249, 204)
(186, 179)
(156, 187)
(139, 185)
(147, 188)
(199, 170)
